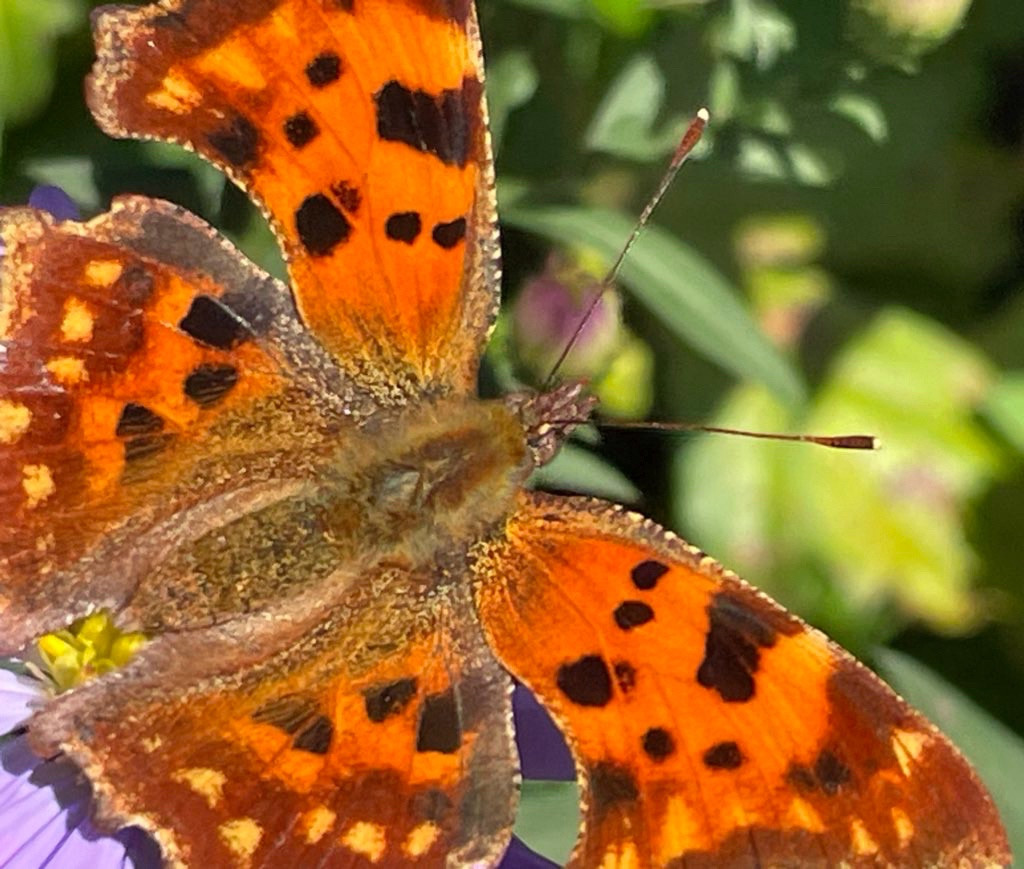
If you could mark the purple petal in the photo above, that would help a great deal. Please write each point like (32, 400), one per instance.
(49, 198)
(17, 693)
(141, 851)
(543, 753)
(518, 856)
(44, 806)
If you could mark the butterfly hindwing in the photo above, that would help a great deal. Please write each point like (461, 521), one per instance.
(329, 730)
(710, 726)
(360, 128)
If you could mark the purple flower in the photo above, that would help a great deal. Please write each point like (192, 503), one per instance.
(56, 201)
(45, 802)
(518, 856)
(543, 753)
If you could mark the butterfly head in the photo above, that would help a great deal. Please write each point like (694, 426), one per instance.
(548, 418)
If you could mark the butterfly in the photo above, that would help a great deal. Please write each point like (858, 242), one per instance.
(295, 493)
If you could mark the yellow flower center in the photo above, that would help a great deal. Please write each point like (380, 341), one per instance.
(90, 647)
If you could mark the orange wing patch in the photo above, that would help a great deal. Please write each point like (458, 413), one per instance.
(710, 726)
(360, 128)
(120, 372)
(334, 731)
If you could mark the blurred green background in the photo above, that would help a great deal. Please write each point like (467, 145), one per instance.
(843, 254)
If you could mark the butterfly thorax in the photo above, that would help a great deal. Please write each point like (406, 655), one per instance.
(413, 490)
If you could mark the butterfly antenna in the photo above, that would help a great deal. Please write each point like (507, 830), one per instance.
(839, 442)
(686, 145)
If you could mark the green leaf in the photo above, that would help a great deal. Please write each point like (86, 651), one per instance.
(575, 469)
(771, 160)
(770, 116)
(996, 752)
(807, 166)
(511, 82)
(1004, 408)
(28, 31)
(549, 818)
(210, 181)
(571, 9)
(687, 293)
(724, 91)
(74, 175)
(753, 31)
(863, 112)
(625, 18)
(761, 159)
(886, 529)
(624, 123)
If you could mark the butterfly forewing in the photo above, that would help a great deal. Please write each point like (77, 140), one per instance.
(360, 129)
(134, 347)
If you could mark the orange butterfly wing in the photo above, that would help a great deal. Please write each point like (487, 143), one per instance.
(711, 727)
(358, 728)
(125, 373)
(360, 128)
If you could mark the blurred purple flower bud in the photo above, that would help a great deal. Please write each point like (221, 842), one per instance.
(546, 314)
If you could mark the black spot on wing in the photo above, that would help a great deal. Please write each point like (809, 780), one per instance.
(586, 681)
(321, 226)
(723, 755)
(237, 141)
(801, 777)
(146, 445)
(646, 574)
(323, 69)
(831, 772)
(209, 322)
(134, 286)
(288, 714)
(383, 701)
(142, 430)
(448, 235)
(445, 10)
(210, 382)
(736, 633)
(658, 743)
(170, 20)
(828, 774)
(625, 676)
(137, 419)
(316, 736)
(439, 728)
(348, 195)
(403, 226)
(632, 613)
(611, 785)
(430, 805)
(441, 124)
(300, 129)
